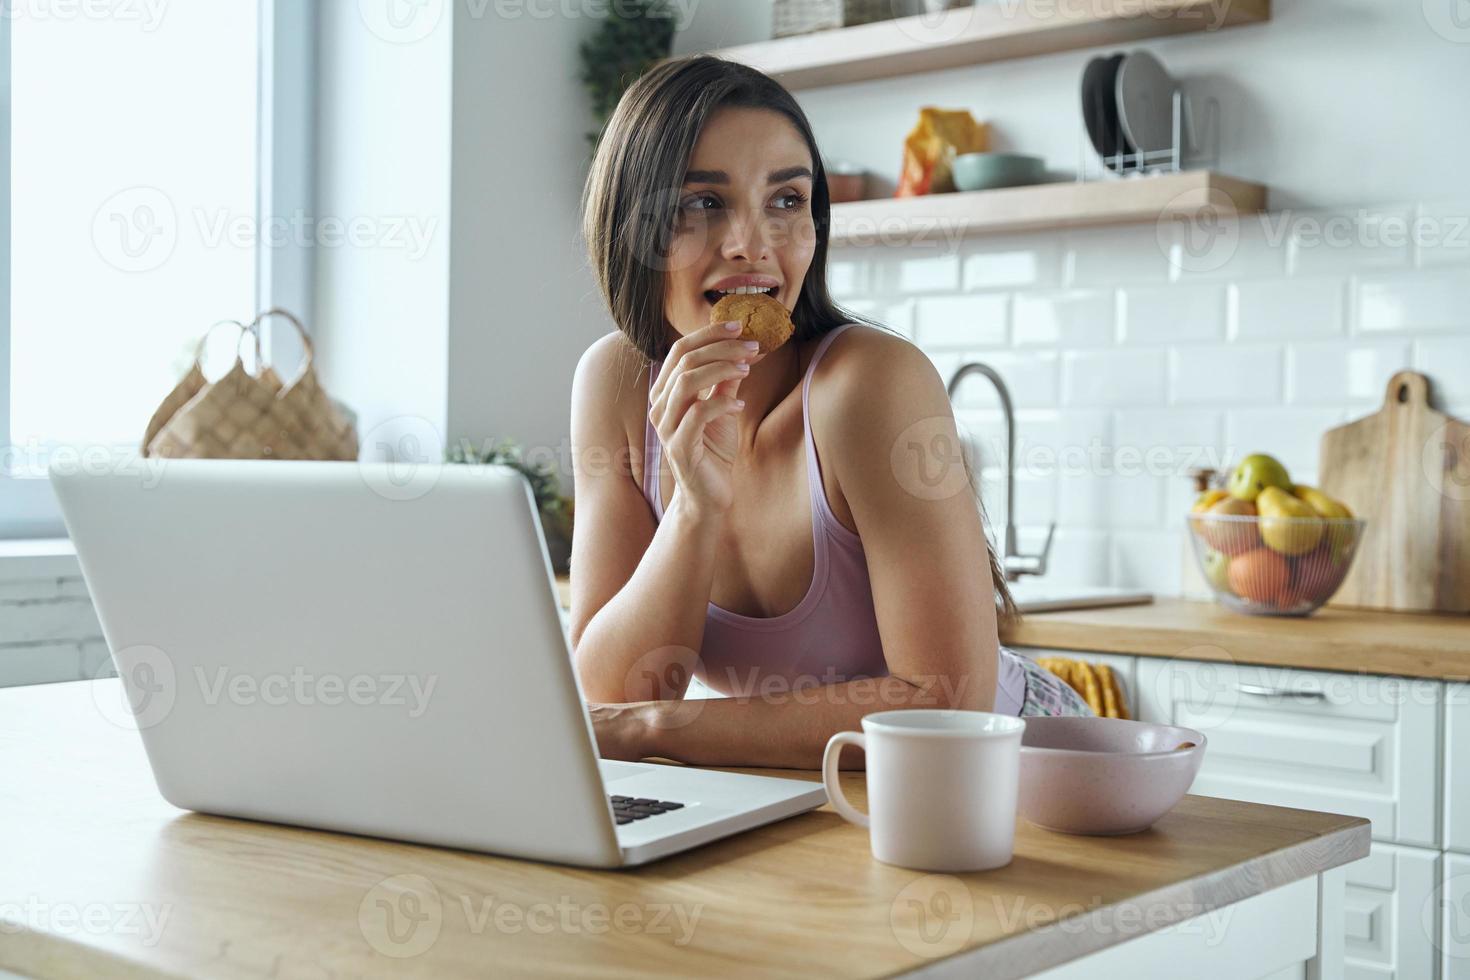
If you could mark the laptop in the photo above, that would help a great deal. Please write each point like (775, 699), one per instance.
(373, 649)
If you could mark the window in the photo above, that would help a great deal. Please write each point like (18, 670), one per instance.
(136, 135)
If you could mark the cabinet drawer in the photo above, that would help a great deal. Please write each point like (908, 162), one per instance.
(1125, 667)
(1345, 743)
(1388, 920)
(1457, 768)
(1453, 903)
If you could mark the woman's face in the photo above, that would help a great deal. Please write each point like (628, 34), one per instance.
(744, 216)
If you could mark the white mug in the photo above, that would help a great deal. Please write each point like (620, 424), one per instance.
(942, 787)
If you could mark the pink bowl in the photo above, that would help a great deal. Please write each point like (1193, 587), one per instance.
(1104, 776)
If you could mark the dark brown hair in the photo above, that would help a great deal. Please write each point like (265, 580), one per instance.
(632, 194)
(637, 176)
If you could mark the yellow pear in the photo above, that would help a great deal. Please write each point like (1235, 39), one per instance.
(1288, 526)
(1324, 505)
(1207, 500)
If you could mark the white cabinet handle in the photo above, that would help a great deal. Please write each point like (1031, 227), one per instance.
(1261, 691)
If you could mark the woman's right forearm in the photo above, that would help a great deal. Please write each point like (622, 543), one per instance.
(642, 645)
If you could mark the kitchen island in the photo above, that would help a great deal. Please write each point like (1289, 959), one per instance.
(100, 876)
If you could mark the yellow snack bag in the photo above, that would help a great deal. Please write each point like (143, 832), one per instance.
(928, 151)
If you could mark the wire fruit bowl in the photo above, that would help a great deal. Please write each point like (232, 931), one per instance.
(1274, 566)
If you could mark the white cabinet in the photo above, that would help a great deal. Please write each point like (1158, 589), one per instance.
(1344, 743)
(1457, 768)
(1453, 906)
(1390, 925)
(1126, 668)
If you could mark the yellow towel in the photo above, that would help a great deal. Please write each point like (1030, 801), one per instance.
(1096, 683)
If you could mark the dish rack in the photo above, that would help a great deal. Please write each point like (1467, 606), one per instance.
(1191, 146)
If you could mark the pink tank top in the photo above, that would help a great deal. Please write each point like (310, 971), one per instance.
(831, 635)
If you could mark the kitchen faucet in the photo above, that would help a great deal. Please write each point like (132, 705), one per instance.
(1013, 562)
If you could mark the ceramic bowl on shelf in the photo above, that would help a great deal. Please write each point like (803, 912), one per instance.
(986, 171)
(1104, 776)
(1274, 566)
(846, 182)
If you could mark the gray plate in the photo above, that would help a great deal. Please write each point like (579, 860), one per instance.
(1145, 93)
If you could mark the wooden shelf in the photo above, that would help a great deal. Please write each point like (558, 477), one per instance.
(939, 218)
(992, 30)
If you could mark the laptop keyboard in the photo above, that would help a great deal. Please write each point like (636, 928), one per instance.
(626, 809)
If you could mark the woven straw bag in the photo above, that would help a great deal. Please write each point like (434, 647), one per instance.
(245, 416)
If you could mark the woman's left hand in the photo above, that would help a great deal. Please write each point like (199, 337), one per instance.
(620, 730)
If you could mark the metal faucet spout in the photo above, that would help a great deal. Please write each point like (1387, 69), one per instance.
(1014, 563)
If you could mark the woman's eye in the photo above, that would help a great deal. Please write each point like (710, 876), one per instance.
(703, 202)
(790, 201)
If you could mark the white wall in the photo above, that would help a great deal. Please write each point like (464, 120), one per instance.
(1116, 339)
(523, 305)
(464, 119)
(383, 172)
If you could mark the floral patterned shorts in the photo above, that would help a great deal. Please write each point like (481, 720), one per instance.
(1048, 694)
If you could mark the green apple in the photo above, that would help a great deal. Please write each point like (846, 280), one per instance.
(1254, 474)
(1217, 570)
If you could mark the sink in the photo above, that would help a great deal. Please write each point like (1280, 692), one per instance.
(1035, 596)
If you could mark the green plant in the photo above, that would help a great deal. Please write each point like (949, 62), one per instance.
(635, 35)
(556, 510)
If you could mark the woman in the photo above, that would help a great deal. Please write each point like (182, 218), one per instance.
(804, 540)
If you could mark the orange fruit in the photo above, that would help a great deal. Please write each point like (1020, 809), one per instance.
(1259, 575)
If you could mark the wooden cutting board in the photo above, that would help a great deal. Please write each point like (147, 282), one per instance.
(1406, 470)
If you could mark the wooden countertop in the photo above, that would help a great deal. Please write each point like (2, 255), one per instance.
(109, 880)
(1351, 640)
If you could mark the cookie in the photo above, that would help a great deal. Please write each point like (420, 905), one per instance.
(763, 318)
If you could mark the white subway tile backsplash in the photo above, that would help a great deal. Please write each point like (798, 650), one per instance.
(1074, 318)
(1135, 500)
(1442, 233)
(1337, 241)
(1170, 314)
(1113, 378)
(1292, 435)
(1079, 556)
(849, 273)
(1446, 361)
(1036, 502)
(1168, 443)
(1179, 497)
(1288, 309)
(1012, 261)
(960, 321)
(1225, 375)
(1430, 300)
(1148, 560)
(1083, 501)
(924, 273)
(1116, 255)
(1031, 379)
(1049, 443)
(1222, 250)
(1342, 372)
(898, 316)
